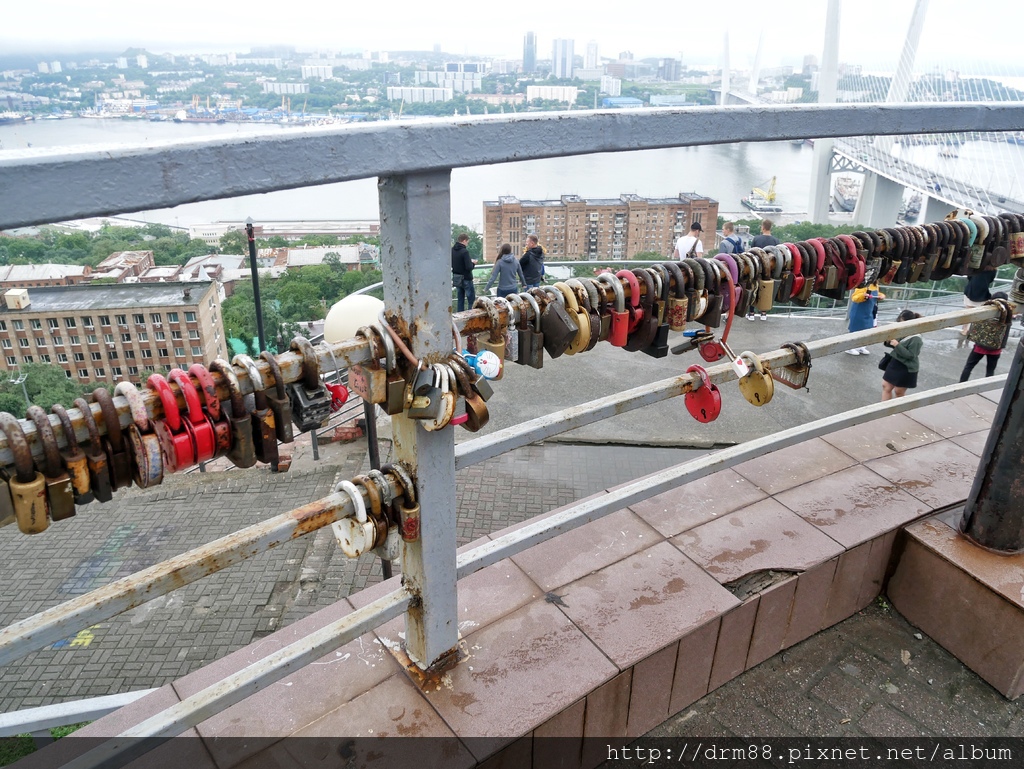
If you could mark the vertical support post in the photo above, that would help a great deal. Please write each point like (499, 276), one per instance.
(255, 286)
(828, 81)
(994, 514)
(415, 214)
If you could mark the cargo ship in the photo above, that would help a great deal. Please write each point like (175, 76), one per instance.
(846, 192)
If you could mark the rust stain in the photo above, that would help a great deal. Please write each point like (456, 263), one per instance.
(314, 516)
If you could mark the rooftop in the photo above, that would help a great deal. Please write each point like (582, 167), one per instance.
(109, 297)
(40, 271)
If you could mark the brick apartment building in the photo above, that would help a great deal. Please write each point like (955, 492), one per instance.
(39, 275)
(106, 333)
(597, 228)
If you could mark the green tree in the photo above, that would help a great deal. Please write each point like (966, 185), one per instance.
(234, 242)
(45, 385)
(476, 240)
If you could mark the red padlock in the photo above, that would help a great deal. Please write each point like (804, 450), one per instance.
(175, 444)
(798, 270)
(339, 395)
(211, 404)
(619, 332)
(636, 314)
(705, 402)
(196, 424)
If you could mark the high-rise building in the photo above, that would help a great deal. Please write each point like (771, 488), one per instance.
(580, 228)
(562, 59)
(591, 60)
(530, 53)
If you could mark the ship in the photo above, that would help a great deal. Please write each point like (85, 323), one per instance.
(913, 206)
(846, 192)
(7, 118)
(761, 200)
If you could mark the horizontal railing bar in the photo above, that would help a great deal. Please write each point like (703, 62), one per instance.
(246, 682)
(494, 444)
(63, 713)
(652, 485)
(42, 186)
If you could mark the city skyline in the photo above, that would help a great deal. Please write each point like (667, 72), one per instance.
(872, 31)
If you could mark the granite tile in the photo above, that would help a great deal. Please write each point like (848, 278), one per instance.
(939, 474)
(643, 603)
(606, 716)
(697, 502)
(956, 417)
(693, 666)
(772, 621)
(733, 643)
(789, 467)
(491, 593)
(585, 550)
(651, 692)
(994, 395)
(558, 743)
(973, 442)
(812, 590)
(844, 595)
(552, 663)
(853, 505)
(763, 536)
(881, 437)
(875, 571)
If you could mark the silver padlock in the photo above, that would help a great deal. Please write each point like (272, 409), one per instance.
(355, 534)
(428, 401)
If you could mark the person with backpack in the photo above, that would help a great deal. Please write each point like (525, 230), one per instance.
(532, 262)
(731, 244)
(989, 337)
(902, 362)
(760, 241)
(689, 246)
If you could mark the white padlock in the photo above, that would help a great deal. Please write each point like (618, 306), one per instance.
(740, 367)
(354, 538)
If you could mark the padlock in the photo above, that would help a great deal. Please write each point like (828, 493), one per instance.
(636, 313)
(278, 400)
(495, 340)
(510, 304)
(603, 310)
(28, 486)
(95, 456)
(704, 402)
(427, 402)
(407, 508)
(211, 405)
(177, 447)
(558, 327)
(658, 348)
(618, 333)
(395, 382)
(477, 414)
(356, 534)
(795, 375)
(147, 458)
(264, 434)
(311, 403)
(117, 454)
(369, 380)
(712, 315)
(242, 452)
(194, 419)
(391, 548)
(582, 319)
(449, 397)
(644, 331)
(676, 308)
(587, 299)
(73, 458)
(532, 354)
(7, 516)
(59, 493)
(757, 387)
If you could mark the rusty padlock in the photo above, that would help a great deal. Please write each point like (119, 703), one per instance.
(368, 380)
(95, 455)
(356, 534)
(391, 549)
(118, 461)
(477, 414)
(211, 405)
(278, 400)
(74, 458)
(677, 302)
(377, 513)
(176, 446)
(194, 420)
(7, 516)
(311, 403)
(59, 494)
(147, 460)
(264, 433)
(531, 338)
(408, 510)
(242, 452)
(28, 486)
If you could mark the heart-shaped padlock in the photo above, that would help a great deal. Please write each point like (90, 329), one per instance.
(757, 387)
(705, 402)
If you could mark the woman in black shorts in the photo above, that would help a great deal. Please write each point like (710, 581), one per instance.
(901, 371)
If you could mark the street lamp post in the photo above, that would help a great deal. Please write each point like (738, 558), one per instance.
(17, 376)
(255, 285)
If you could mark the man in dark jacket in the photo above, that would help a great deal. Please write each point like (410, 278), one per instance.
(532, 262)
(462, 272)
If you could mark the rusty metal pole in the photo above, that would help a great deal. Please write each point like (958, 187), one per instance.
(415, 213)
(994, 514)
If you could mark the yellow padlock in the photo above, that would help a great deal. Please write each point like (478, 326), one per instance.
(28, 487)
(582, 318)
(757, 387)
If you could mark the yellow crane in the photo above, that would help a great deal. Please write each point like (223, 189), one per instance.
(768, 192)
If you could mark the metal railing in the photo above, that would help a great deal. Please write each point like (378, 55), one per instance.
(414, 163)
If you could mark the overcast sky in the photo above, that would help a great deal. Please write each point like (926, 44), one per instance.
(871, 32)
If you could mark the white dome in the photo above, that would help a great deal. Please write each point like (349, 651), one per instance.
(348, 315)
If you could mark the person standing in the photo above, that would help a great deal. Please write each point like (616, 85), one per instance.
(689, 245)
(731, 244)
(863, 307)
(760, 241)
(989, 337)
(508, 272)
(462, 272)
(532, 262)
(904, 361)
(977, 292)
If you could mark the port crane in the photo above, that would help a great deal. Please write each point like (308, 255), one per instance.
(768, 192)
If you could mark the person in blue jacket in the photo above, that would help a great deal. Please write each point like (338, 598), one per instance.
(863, 306)
(507, 272)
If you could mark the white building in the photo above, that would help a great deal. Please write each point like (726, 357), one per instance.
(591, 60)
(562, 59)
(43, 67)
(55, 66)
(122, 62)
(419, 95)
(564, 93)
(611, 86)
(142, 61)
(318, 71)
(285, 88)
